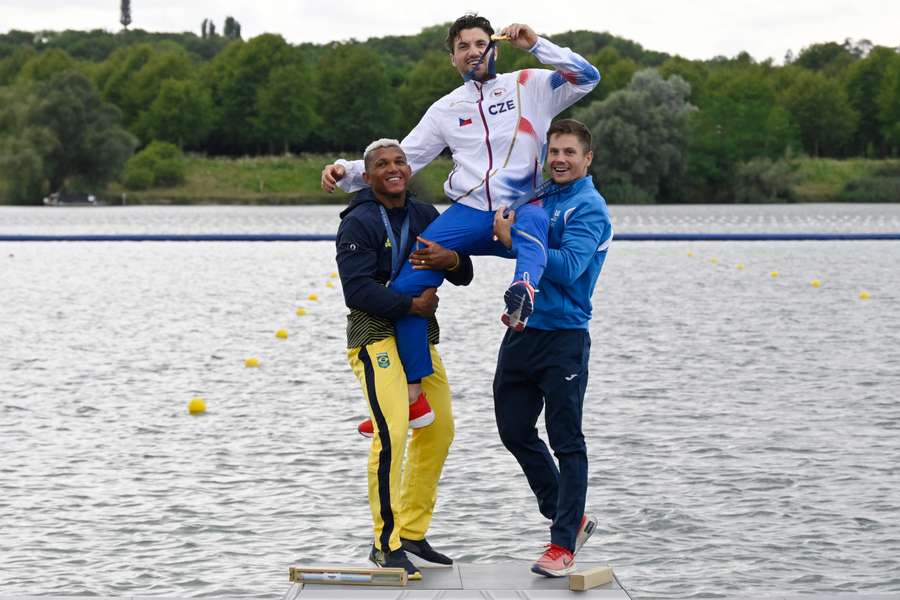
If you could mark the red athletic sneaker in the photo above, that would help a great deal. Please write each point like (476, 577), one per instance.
(420, 415)
(366, 428)
(555, 562)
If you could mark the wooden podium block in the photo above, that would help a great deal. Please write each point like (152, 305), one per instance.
(585, 580)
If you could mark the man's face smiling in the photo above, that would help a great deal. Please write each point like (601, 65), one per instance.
(389, 173)
(566, 158)
(468, 48)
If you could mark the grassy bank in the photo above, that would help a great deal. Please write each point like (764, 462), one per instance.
(295, 180)
(265, 180)
(823, 179)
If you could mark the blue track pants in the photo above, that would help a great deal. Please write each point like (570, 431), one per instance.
(540, 370)
(467, 231)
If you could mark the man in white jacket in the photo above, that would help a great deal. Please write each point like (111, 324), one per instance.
(495, 126)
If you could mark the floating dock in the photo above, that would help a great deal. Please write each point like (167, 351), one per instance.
(490, 581)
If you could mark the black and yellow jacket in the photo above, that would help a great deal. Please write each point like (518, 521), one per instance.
(364, 263)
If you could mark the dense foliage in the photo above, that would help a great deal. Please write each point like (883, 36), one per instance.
(666, 128)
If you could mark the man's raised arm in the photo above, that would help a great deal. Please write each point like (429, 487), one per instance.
(421, 146)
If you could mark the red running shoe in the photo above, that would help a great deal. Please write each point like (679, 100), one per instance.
(555, 562)
(420, 415)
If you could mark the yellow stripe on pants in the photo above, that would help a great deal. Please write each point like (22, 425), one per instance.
(402, 500)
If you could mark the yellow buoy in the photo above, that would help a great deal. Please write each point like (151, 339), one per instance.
(333, 274)
(774, 274)
(300, 312)
(313, 297)
(690, 253)
(739, 266)
(714, 260)
(816, 283)
(328, 284)
(281, 334)
(251, 362)
(197, 406)
(864, 295)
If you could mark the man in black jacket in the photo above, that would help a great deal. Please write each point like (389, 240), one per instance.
(375, 237)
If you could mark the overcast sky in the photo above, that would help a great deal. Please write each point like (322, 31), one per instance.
(694, 29)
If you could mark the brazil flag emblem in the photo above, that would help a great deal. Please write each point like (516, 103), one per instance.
(383, 360)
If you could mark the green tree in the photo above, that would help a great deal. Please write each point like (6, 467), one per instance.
(132, 77)
(829, 58)
(284, 115)
(431, 78)
(43, 66)
(160, 164)
(235, 78)
(61, 130)
(738, 119)
(822, 113)
(889, 106)
(181, 114)
(12, 65)
(616, 72)
(639, 134)
(355, 110)
(232, 28)
(763, 180)
(694, 72)
(864, 82)
(21, 146)
(91, 144)
(125, 13)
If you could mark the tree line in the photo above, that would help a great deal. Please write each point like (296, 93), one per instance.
(75, 105)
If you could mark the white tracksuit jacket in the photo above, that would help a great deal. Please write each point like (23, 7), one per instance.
(496, 130)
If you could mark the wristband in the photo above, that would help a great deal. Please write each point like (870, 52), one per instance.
(456, 264)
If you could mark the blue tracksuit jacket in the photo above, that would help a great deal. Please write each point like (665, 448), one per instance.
(579, 236)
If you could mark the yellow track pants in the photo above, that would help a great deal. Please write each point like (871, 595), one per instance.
(402, 497)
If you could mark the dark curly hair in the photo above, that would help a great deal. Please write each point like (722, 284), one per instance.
(467, 21)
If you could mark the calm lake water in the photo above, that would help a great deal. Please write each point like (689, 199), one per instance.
(743, 430)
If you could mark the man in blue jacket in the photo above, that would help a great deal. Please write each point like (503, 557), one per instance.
(376, 234)
(547, 362)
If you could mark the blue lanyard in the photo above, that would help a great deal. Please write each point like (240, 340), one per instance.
(396, 257)
(492, 70)
(539, 193)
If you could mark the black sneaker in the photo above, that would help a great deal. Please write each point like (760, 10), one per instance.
(424, 555)
(396, 559)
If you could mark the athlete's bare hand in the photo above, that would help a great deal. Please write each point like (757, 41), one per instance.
(433, 257)
(331, 174)
(503, 226)
(520, 35)
(425, 305)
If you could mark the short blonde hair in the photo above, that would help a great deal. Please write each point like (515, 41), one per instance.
(378, 144)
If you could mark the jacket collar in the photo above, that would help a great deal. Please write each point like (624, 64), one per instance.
(365, 196)
(570, 189)
(479, 88)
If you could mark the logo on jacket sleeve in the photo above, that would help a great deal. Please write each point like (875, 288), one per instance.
(464, 122)
(383, 360)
